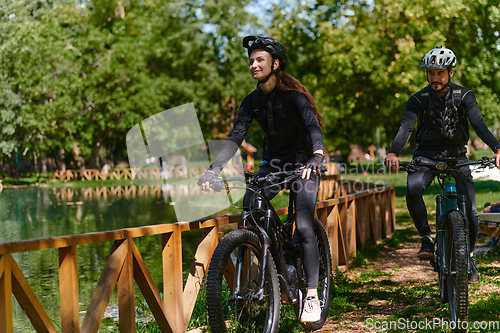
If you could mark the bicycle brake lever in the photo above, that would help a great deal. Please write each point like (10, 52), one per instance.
(487, 162)
(217, 186)
(270, 177)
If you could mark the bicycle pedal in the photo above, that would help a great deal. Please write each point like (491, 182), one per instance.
(426, 258)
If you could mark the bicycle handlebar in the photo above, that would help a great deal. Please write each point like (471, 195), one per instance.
(444, 165)
(218, 184)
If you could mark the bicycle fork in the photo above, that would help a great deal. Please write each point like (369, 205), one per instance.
(441, 233)
(265, 243)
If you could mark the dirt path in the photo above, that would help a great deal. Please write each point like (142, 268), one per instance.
(398, 286)
(399, 270)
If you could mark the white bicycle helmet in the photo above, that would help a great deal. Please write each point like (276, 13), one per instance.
(439, 58)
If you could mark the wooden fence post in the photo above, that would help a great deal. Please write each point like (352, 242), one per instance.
(68, 289)
(172, 277)
(125, 288)
(6, 323)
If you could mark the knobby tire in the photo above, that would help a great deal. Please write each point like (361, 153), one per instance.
(443, 279)
(456, 257)
(246, 315)
(325, 277)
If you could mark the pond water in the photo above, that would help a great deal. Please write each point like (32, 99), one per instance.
(34, 212)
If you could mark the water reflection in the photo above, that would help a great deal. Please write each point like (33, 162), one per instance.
(33, 212)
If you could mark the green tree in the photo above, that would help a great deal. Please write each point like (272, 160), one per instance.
(35, 69)
(77, 76)
(361, 58)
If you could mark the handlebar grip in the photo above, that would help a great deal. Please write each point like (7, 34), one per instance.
(218, 186)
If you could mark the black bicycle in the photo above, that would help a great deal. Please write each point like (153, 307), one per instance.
(451, 258)
(257, 267)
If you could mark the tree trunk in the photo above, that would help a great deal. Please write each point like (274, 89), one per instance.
(44, 163)
(94, 156)
(79, 162)
(37, 167)
(13, 168)
(62, 160)
(93, 160)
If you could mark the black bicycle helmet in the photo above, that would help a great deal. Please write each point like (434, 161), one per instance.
(275, 48)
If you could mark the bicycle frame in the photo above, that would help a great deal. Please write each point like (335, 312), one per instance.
(274, 236)
(267, 232)
(446, 202)
(269, 268)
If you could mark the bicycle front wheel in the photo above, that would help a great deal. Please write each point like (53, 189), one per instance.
(456, 259)
(242, 312)
(325, 276)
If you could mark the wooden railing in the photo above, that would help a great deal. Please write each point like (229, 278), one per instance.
(146, 173)
(350, 220)
(489, 224)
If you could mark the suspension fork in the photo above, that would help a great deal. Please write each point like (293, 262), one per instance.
(440, 234)
(463, 208)
(265, 243)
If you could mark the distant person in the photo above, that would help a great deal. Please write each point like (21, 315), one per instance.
(444, 111)
(106, 168)
(492, 208)
(287, 113)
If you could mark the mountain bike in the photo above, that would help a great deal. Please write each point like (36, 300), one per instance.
(451, 258)
(258, 266)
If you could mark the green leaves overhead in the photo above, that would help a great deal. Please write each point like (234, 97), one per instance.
(75, 76)
(83, 75)
(363, 61)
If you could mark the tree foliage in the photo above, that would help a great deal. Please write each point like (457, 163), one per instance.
(79, 77)
(362, 59)
(75, 76)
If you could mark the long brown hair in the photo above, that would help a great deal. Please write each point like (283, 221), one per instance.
(286, 82)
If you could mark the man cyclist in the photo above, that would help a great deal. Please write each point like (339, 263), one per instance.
(444, 111)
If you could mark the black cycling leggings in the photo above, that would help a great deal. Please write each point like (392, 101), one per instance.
(419, 181)
(306, 194)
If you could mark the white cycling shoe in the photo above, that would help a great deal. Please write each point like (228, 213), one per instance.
(311, 311)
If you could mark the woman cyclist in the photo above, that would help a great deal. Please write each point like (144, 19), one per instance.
(287, 113)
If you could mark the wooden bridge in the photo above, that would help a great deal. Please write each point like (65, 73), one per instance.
(489, 224)
(351, 220)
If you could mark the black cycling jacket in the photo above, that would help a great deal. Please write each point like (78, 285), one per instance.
(292, 130)
(414, 108)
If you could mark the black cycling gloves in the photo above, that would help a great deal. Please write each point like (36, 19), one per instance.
(208, 176)
(223, 157)
(315, 162)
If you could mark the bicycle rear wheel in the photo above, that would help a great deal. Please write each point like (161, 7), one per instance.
(325, 277)
(456, 258)
(242, 313)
